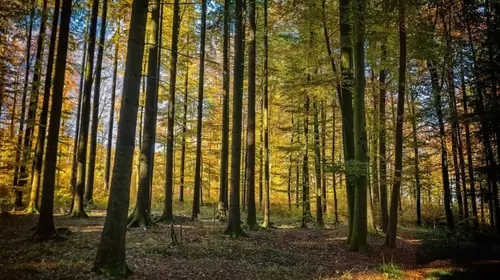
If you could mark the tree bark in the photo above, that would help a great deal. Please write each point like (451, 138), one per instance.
(74, 164)
(40, 146)
(345, 101)
(444, 154)
(416, 159)
(323, 158)
(46, 228)
(110, 257)
(141, 217)
(233, 225)
(267, 183)
(306, 208)
(89, 191)
(168, 214)
(359, 228)
(390, 238)
(250, 168)
(16, 182)
(199, 125)
(78, 203)
(317, 165)
(184, 131)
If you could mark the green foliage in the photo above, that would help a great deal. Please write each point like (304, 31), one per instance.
(392, 271)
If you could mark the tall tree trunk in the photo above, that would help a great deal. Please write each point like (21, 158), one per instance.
(199, 122)
(184, 131)
(168, 214)
(444, 154)
(40, 146)
(89, 192)
(290, 166)
(16, 182)
(33, 102)
(374, 144)
(306, 208)
(224, 160)
(359, 228)
(74, 164)
(390, 238)
(112, 113)
(267, 183)
(46, 228)
(233, 225)
(323, 158)
(416, 159)
(317, 167)
(469, 149)
(141, 217)
(111, 251)
(252, 49)
(78, 210)
(334, 173)
(345, 100)
(382, 130)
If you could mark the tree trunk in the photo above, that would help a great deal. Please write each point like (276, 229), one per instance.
(469, 150)
(78, 210)
(250, 168)
(290, 166)
(111, 251)
(306, 208)
(16, 182)
(345, 100)
(334, 173)
(444, 154)
(199, 122)
(184, 131)
(33, 102)
(74, 164)
(141, 217)
(89, 191)
(111, 114)
(46, 228)
(416, 159)
(323, 158)
(40, 146)
(168, 214)
(233, 225)
(267, 183)
(390, 238)
(317, 165)
(359, 228)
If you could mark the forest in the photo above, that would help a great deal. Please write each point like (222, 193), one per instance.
(244, 139)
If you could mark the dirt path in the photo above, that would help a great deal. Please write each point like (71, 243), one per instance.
(280, 253)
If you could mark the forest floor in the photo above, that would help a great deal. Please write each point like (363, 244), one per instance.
(283, 252)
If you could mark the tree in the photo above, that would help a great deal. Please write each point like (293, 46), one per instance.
(436, 92)
(233, 223)
(89, 191)
(17, 180)
(390, 238)
(46, 228)
(306, 208)
(265, 117)
(110, 257)
(383, 128)
(317, 165)
(250, 166)
(40, 145)
(141, 217)
(224, 159)
(345, 101)
(78, 114)
(359, 227)
(78, 201)
(168, 214)
(184, 131)
(199, 127)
